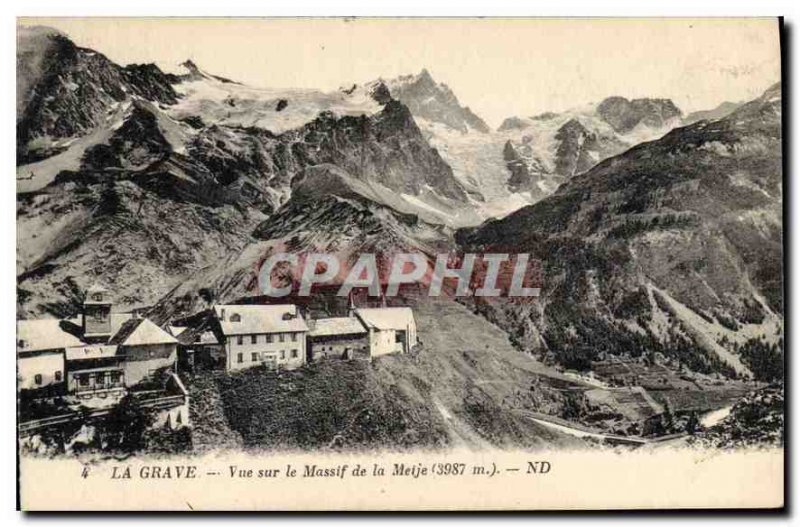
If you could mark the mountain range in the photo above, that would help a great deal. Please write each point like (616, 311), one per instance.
(656, 231)
(674, 245)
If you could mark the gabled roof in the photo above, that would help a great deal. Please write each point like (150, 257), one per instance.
(282, 318)
(54, 334)
(324, 327)
(141, 332)
(395, 318)
(44, 334)
(175, 331)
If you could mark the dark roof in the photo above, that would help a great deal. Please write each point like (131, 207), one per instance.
(125, 331)
(189, 335)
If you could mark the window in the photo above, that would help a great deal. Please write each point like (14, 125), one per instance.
(152, 353)
(83, 379)
(253, 339)
(283, 354)
(37, 378)
(240, 358)
(57, 376)
(236, 317)
(97, 297)
(294, 337)
(115, 376)
(269, 339)
(281, 337)
(294, 354)
(254, 357)
(239, 340)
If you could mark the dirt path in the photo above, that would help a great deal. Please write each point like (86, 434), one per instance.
(461, 435)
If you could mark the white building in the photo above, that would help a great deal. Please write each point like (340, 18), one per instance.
(93, 354)
(252, 335)
(391, 329)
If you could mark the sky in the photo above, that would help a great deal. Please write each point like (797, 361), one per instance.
(497, 67)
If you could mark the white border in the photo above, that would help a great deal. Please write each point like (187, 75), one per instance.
(628, 8)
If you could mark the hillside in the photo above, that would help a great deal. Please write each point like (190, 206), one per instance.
(452, 393)
(157, 181)
(672, 248)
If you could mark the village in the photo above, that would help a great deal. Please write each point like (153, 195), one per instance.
(89, 363)
(322, 371)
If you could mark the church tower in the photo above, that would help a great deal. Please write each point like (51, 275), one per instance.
(97, 314)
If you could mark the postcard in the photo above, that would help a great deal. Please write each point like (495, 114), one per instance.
(407, 264)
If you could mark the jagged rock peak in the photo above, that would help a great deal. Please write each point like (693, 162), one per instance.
(380, 92)
(425, 76)
(434, 102)
(624, 115)
(190, 65)
(194, 72)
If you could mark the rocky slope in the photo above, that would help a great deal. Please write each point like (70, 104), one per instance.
(65, 91)
(757, 420)
(673, 246)
(723, 110)
(329, 212)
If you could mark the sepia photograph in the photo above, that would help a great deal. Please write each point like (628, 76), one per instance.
(399, 263)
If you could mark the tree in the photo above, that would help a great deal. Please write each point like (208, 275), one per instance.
(691, 425)
(125, 426)
(668, 418)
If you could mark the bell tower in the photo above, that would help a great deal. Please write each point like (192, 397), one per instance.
(97, 313)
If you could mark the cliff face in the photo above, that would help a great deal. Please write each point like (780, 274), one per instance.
(662, 246)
